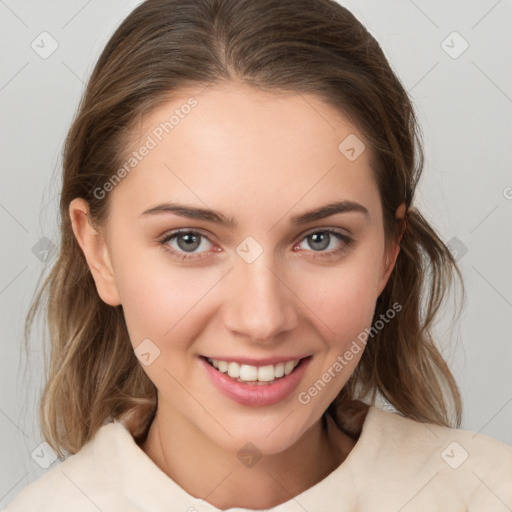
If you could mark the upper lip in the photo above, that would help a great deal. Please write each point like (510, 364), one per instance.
(258, 362)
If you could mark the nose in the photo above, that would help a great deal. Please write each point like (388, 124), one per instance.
(261, 304)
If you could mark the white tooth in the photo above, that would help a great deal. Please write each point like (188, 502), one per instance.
(248, 373)
(288, 367)
(279, 371)
(234, 370)
(266, 373)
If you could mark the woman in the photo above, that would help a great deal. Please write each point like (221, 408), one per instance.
(243, 278)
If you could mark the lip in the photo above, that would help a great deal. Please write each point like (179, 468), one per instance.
(258, 362)
(254, 394)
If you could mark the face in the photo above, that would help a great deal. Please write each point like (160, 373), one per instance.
(259, 282)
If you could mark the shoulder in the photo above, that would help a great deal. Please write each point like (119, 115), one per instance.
(82, 479)
(425, 437)
(468, 466)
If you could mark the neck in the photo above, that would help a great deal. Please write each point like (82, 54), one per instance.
(207, 471)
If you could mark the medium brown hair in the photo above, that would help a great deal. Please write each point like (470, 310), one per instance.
(297, 46)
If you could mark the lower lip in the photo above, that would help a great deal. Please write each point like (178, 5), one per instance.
(256, 394)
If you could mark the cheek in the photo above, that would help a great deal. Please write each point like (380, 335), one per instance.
(159, 298)
(343, 297)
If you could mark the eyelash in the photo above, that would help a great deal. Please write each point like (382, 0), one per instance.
(347, 243)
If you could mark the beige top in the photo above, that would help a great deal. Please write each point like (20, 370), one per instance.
(396, 465)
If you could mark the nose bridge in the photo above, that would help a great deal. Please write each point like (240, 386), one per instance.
(260, 305)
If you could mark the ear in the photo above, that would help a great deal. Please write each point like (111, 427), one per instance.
(94, 246)
(392, 251)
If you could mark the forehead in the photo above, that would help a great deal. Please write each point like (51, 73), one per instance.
(241, 147)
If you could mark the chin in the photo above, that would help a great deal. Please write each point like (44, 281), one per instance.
(270, 433)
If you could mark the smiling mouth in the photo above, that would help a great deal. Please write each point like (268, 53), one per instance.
(255, 375)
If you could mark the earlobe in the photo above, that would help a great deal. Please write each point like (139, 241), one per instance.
(401, 217)
(94, 246)
(389, 264)
(393, 251)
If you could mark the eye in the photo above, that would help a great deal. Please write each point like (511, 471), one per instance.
(321, 240)
(184, 243)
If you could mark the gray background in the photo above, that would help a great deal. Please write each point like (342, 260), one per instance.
(464, 106)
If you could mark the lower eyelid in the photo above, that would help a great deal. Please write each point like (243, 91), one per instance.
(345, 240)
(172, 236)
(342, 238)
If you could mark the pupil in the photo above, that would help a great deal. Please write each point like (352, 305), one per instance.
(320, 238)
(319, 241)
(190, 240)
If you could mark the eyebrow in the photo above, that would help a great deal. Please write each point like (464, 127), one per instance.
(209, 215)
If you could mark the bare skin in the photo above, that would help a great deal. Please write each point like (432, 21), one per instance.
(260, 159)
